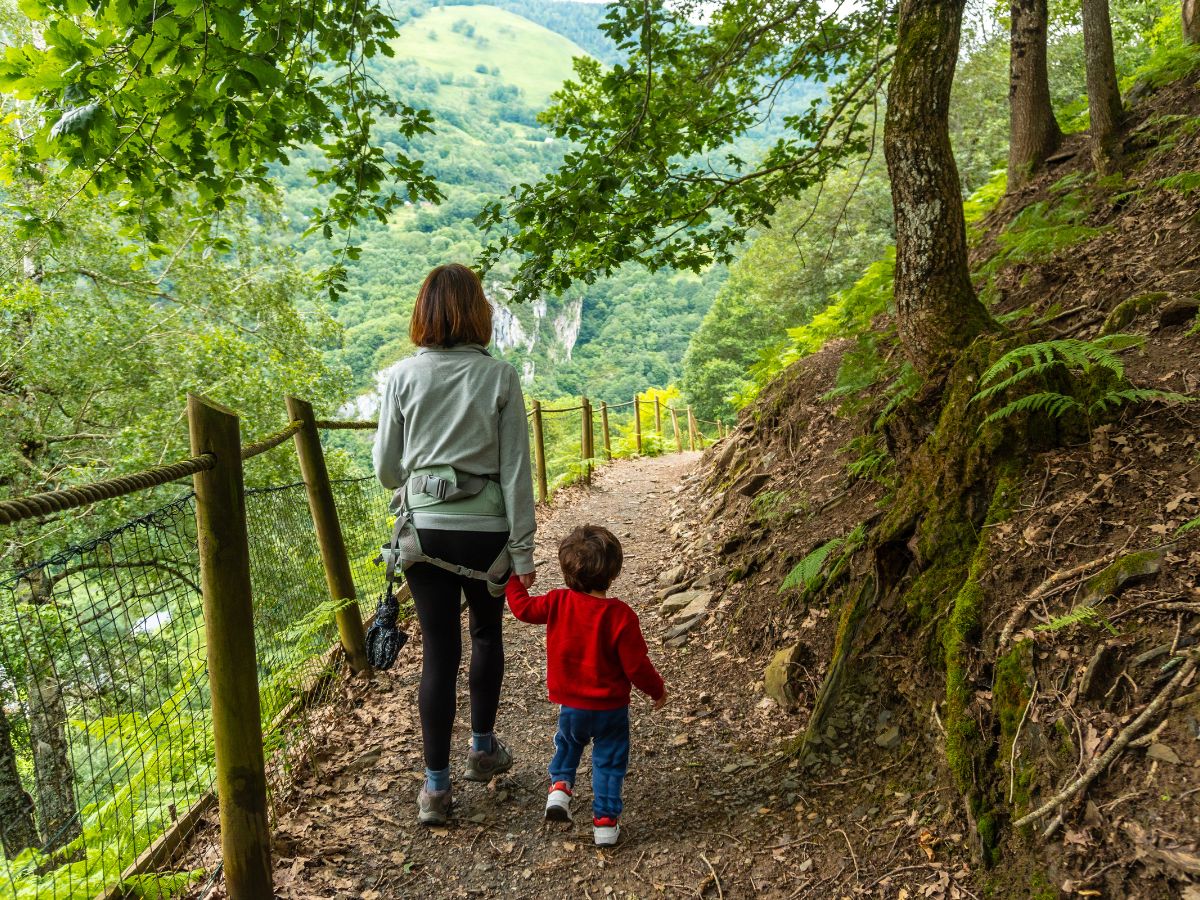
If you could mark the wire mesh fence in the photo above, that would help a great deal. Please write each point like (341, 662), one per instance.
(106, 747)
(105, 722)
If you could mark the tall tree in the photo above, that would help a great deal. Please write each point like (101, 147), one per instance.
(937, 310)
(17, 829)
(1191, 21)
(1104, 97)
(654, 166)
(1033, 131)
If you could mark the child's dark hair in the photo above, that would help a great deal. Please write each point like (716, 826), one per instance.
(591, 558)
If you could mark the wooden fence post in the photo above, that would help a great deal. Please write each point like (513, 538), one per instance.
(675, 425)
(229, 638)
(585, 421)
(604, 430)
(539, 451)
(338, 576)
(637, 423)
(658, 416)
(591, 436)
(691, 418)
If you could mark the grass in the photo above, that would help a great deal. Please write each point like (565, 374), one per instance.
(507, 47)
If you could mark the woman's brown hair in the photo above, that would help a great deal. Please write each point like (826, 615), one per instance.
(590, 558)
(451, 309)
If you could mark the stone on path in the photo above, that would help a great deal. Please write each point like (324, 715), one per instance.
(682, 627)
(672, 576)
(690, 603)
(889, 738)
(779, 681)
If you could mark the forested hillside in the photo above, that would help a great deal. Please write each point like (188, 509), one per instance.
(485, 73)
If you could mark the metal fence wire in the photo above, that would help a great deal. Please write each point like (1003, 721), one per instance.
(105, 724)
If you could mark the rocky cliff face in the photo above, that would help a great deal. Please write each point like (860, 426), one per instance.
(542, 330)
(539, 331)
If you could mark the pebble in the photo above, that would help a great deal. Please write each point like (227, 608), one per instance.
(889, 738)
(1163, 753)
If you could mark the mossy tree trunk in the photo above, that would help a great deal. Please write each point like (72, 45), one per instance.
(1033, 131)
(1191, 21)
(1104, 97)
(54, 775)
(937, 311)
(17, 829)
(52, 768)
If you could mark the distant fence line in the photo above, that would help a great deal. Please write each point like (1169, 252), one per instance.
(140, 684)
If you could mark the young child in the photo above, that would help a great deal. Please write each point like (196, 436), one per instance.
(594, 653)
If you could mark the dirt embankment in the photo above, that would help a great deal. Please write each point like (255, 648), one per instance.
(1014, 663)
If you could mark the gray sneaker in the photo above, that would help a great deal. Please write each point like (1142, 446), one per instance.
(435, 806)
(483, 767)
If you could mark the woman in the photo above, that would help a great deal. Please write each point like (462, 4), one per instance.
(452, 417)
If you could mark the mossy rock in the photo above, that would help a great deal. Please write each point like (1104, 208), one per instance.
(781, 679)
(1128, 310)
(1109, 580)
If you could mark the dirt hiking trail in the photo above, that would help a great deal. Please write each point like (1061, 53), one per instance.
(715, 804)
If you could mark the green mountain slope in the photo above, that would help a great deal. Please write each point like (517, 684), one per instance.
(485, 73)
(492, 42)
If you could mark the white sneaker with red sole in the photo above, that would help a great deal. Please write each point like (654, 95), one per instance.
(606, 831)
(558, 802)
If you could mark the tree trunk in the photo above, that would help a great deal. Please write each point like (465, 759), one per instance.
(1104, 97)
(1191, 21)
(54, 775)
(1033, 131)
(937, 311)
(17, 830)
(52, 769)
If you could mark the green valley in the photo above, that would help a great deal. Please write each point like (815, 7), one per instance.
(485, 73)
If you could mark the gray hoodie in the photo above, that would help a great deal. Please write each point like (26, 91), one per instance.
(459, 407)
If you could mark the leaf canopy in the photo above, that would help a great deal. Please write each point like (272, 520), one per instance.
(194, 100)
(657, 174)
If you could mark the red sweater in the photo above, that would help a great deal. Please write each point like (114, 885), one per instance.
(594, 647)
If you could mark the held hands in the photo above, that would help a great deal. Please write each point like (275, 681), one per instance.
(527, 579)
(661, 701)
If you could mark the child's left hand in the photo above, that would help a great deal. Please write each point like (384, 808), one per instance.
(661, 701)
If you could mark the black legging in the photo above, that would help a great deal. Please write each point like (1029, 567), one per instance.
(436, 595)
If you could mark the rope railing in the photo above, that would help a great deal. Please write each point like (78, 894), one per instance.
(44, 504)
(270, 442)
(336, 425)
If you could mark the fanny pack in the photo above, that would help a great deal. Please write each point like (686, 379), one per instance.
(405, 546)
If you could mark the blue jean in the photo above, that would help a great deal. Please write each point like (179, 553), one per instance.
(608, 732)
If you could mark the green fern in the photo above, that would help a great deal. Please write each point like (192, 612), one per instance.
(1080, 615)
(1188, 526)
(808, 570)
(1093, 370)
(1185, 183)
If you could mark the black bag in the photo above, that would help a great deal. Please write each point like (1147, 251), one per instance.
(385, 637)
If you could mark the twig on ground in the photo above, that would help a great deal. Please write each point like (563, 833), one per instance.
(1049, 587)
(872, 774)
(716, 880)
(853, 858)
(1103, 481)
(938, 719)
(1119, 744)
(1167, 605)
(1012, 757)
(1148, 738)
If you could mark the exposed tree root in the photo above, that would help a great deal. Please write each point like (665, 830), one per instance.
(1118, 745)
